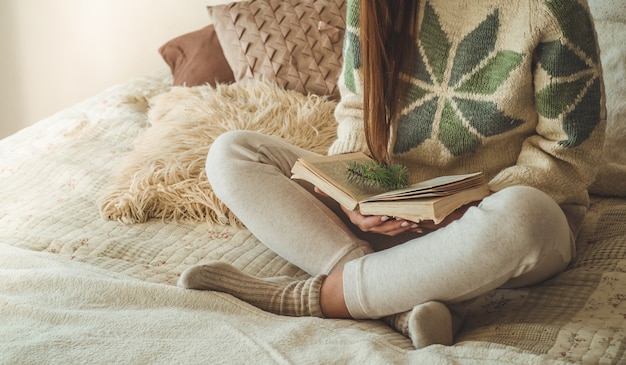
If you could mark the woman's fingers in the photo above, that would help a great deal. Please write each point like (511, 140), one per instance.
(380, 224)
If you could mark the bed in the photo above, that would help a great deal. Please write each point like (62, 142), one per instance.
(104, 204)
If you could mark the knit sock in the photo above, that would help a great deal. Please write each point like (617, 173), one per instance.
(426, 324)
(281, 295)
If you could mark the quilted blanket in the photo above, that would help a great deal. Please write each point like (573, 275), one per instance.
(75, 288)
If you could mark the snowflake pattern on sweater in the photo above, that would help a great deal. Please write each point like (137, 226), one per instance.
(476, 70)
(526, 74)
(571, 62)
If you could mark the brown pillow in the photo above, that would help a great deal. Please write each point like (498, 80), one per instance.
(296, 44)
(197, 58)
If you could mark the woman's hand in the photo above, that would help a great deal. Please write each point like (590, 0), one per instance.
(380, 224)
(392, 227)
(377, 224)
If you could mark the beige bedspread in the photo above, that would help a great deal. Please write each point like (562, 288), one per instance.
(77, 289)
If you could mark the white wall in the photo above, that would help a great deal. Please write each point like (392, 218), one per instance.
(55, 53)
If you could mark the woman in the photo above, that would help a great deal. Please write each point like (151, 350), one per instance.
(513, 89)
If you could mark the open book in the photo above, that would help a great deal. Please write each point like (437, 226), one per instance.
(428, 200)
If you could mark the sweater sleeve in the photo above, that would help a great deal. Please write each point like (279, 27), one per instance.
(349, 111)
(561, 157)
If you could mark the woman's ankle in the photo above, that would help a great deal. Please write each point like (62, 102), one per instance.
(332, 302)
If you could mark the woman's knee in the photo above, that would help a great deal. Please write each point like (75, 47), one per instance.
(220, 162)
(529, 205)
(536, 222)
(228, 145)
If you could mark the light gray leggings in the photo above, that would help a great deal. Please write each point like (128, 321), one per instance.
(515, 237)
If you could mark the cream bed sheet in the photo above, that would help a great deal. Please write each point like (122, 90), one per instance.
(75, 288)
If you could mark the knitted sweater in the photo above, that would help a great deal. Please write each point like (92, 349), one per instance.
(510, 88)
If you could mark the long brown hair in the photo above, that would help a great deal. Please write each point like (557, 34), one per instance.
(388, 34)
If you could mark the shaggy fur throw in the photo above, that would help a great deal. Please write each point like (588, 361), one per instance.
(164, 176)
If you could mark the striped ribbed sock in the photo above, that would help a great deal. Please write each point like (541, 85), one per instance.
(281, 295)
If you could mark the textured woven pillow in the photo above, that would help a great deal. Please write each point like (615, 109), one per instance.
(294, 43)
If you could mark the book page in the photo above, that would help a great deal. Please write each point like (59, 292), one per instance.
(439, 186)
(430, 208)
(334, 169)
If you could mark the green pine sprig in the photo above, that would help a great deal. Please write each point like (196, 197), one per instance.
(373, 173)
